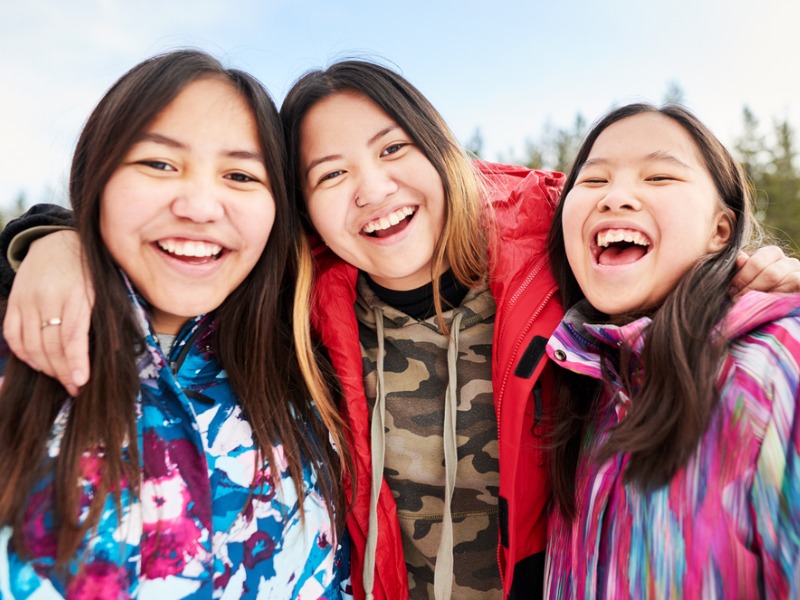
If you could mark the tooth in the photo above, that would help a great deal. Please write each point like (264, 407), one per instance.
(388, 220)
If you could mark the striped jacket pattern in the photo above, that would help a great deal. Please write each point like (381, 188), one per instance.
(728, 523)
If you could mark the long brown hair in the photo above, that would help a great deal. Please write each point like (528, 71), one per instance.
(253, 336)
(463, 241)
(672, 408)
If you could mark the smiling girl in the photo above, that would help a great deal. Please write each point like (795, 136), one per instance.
(193, 463)
(676, 467)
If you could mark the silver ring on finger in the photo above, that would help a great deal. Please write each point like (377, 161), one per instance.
(53, 321)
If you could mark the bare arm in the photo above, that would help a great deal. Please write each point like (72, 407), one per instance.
(49, 310)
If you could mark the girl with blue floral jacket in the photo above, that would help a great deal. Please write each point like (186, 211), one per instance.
(193, 464)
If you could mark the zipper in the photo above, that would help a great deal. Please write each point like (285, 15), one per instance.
(175, 365)
(521, 289)
(515, 351)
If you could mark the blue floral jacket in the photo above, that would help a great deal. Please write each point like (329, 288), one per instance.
(197, 530)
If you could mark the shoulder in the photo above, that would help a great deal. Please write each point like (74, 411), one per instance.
(520, 201)
(762, 370)
(770, 317)
(508, 182)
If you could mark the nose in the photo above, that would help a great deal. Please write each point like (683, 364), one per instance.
(199, 199)
(619, 198)
(375, 185)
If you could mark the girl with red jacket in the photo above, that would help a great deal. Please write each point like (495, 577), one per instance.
(434, 299)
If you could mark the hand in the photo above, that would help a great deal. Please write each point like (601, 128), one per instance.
(51, 284)
(767, 270)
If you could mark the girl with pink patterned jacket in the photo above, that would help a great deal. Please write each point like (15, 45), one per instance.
(676, 464)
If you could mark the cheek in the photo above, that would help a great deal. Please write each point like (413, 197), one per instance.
(254, 224)
(326, 215)
(115, 227)
(572, 220)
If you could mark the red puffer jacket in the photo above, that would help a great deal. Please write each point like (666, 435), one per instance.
(528, 310)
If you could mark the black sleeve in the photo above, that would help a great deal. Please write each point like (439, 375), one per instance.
(36, 216)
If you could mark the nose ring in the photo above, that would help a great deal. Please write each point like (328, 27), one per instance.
(357, 204)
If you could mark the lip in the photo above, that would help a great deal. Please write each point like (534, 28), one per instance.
(193, 267)
(395, 236)
(595, 250)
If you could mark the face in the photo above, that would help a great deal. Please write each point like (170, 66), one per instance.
(643, 210)
(188, 211)
(372, 195)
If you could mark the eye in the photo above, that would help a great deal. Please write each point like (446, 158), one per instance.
(394, 148)
(591, 180)
(659, 178)
(157, 164)
(241, 177)
(331, 175)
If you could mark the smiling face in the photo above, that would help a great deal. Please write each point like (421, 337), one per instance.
(372, 195)
(188, 211)
(643, 210)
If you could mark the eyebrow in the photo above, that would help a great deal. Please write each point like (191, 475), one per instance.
(658, 155)
(329, 157)
(158, 138)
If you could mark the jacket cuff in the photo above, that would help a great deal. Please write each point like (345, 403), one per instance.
(45, 218)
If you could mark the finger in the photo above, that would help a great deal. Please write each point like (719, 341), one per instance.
(760, 271)
(12, 333)
(33, 343)
(75, 338)
(52, 347)
(786, 275)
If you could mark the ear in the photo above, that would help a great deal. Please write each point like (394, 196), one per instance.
(722, 233)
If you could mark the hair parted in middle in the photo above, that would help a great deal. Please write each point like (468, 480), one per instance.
(463, 241)
(273, 374)
(673, 407)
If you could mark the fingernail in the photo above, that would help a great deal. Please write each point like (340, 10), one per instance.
(79, 377)
(72, 390)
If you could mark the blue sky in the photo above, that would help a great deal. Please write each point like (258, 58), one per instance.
(505, 68)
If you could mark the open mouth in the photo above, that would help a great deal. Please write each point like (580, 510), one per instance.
(389, 224)
(190, 251)
(620, 246)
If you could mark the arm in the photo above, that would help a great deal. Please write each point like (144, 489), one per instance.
(20, 233)
(50, 284)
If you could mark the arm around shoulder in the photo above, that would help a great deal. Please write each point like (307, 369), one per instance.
(20, 233)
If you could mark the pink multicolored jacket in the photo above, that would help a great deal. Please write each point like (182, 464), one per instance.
(728, 524)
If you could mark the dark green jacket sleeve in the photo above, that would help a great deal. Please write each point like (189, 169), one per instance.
(37, 221)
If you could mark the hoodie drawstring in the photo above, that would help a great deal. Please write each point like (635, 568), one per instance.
(377, 449)
(443, 573)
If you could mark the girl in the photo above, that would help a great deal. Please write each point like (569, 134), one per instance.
(675, 470)
(434, 298)
(166, 475)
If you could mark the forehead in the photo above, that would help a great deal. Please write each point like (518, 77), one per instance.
(342, 117)
(645, 136)
(208, 100)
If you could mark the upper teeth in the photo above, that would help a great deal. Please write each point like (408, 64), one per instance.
(189, 247)
(610, 236)
(388, 220)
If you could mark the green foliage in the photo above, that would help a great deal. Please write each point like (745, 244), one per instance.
(771, 164)
(17, 208)
(557, 146)
(474, 146)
